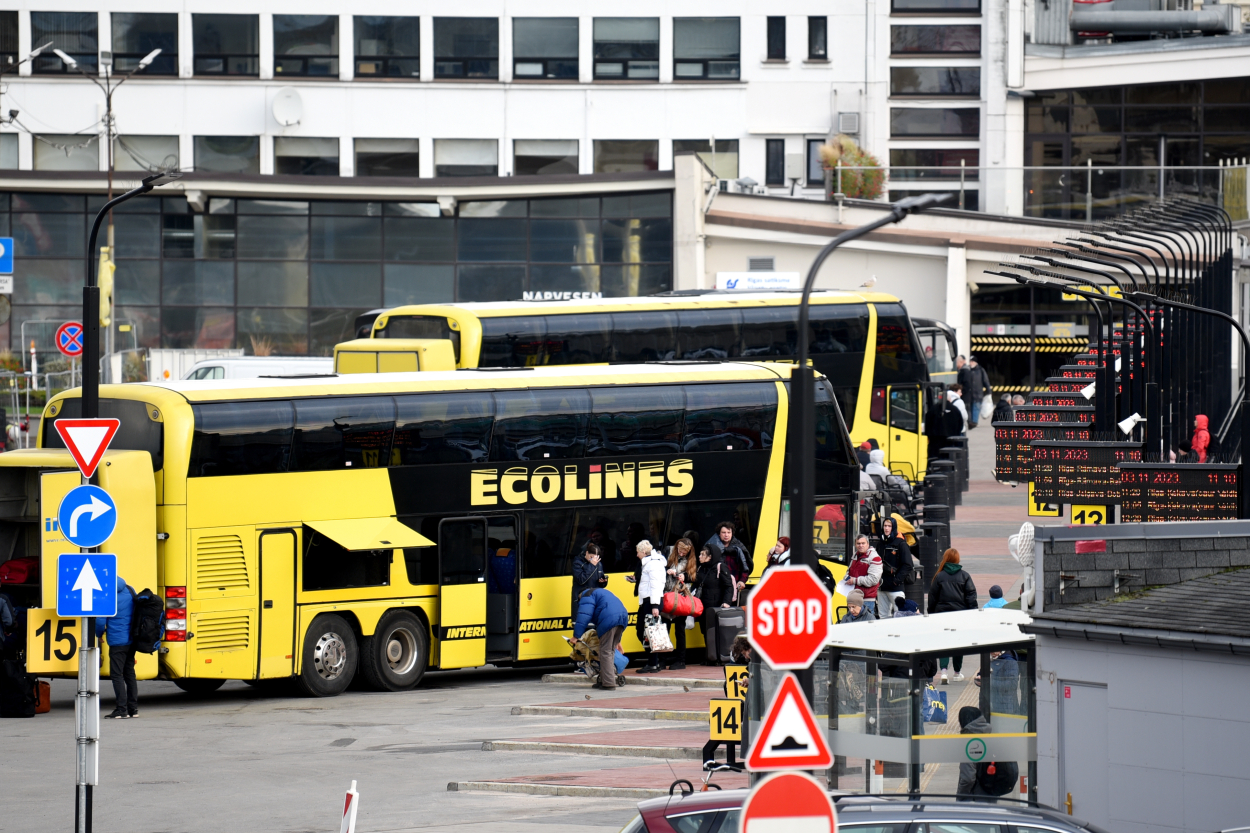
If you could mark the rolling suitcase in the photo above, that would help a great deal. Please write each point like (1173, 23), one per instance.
(730, 622)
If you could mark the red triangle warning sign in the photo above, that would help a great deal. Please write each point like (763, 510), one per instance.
(790, 737)
(87, 440)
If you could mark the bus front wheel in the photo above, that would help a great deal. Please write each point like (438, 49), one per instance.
(394, 658)
(330, 657)
(198, 686)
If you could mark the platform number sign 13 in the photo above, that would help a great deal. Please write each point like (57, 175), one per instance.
(736, 681)
(725, 720)
(1091, 515)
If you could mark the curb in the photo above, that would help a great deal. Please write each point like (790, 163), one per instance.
(582, 681)
(613, 714)
(555, 789)
(683, 753)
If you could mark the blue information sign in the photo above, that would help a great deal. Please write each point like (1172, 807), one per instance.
(86, 584)
(6, 255)
(87, 516)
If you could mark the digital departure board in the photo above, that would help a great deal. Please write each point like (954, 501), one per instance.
(1058, 399)
(1057, 384)
(1080, 472)
(1072, 371)
(1087, 360)
(1054, 413)
(1013, 455)
(1153, 492)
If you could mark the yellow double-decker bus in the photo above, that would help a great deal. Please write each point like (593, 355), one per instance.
(864, 344)
(383, 524)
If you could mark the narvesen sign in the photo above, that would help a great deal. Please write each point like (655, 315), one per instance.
(579, 482)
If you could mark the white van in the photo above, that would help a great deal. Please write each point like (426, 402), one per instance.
(249, 367)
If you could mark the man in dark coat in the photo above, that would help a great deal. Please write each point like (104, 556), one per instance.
(899, 568)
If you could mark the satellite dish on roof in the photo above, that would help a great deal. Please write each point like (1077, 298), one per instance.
(288, 107)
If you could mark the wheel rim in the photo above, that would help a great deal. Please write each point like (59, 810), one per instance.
(401, 651)
(330, 656)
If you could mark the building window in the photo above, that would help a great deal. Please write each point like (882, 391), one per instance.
(935, 81)
(136, 35)
(706, 48)
(815, 166)
(306, 45)
(145, 153)
(935, 121)
(774, 161)
(387, 157)
(466, 157)
(534, 157)
(303, 156)
(926, 163)
(227, 154)
(387, 47)
(74, 33)
(226, 44)
(936, 6)
(935, 40)
(626, 156)
(61, 152)
(8, 151)
(8, 38)
(544, 47)
(776, 38)
(818, 38)
(466, 47)
(723, 159)
(627, 48)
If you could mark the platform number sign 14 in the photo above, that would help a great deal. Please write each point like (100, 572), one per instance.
(725, 720)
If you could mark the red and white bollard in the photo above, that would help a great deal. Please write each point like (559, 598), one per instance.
(350, 805)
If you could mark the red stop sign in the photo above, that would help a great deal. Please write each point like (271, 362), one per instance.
(788, 617)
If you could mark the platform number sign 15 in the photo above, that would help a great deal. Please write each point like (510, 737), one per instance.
(725, 720)
(51, 643)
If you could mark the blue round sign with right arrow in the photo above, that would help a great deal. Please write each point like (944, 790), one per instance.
(87, 516)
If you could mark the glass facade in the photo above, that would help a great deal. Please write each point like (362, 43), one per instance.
(291, 276)
(1022, 334)
(1154, 125)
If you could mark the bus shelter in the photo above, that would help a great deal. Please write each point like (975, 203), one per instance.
(871, 684)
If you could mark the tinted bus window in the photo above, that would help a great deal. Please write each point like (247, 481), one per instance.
(730, 417)
(899, 358)
(635, 421)
(644, 336)
(708, 333)
(769, 331)
(831, 442)
(421, 326)
(137, 431)
(579, 339)
(513, 342)
(442, 428)
(838, 328)
(702, 519)
(241, 438)
(540, 424)
(342, 432)
(547, 550)
(327, 566)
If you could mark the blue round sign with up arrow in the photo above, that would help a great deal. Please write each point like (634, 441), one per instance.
(87, 516)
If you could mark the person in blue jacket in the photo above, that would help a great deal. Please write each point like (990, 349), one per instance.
(610, 619)
(116, 631)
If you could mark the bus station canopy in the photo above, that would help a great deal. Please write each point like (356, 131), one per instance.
(944, 634)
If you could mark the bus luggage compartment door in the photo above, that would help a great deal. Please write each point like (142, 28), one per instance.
(277, 603)
(462, 560)
(907, 450)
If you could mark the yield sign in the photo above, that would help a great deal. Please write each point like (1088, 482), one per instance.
(87, 440)
(789, 738)
(790, 802)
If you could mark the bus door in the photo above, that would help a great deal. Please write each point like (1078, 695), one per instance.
(278, 550)
(906, 454)
(462, 566)
(502, 553)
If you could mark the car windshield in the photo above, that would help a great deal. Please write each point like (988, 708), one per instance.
(636, 825)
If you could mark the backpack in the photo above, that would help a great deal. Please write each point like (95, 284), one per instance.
(146, 620)
(1001, 780)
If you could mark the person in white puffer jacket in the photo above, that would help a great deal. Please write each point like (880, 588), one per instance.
(650, 596)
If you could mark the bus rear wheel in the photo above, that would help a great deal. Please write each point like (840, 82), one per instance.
(395, 657)
(330, 657)
(194, 686)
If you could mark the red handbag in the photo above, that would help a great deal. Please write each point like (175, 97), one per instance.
(678, 605)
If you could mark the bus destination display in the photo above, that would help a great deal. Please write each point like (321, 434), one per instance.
(1080, 472)
(1013, 455)
(1154, 492)
(1054, 413)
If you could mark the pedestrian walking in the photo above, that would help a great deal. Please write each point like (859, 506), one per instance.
(957, 425)
(680, 575)
(715, 588)
(588, 573)
(857, 609)
(975, 389)
(610, 618)
(116, 632)
(650, 597)
(865, 571)
(952, 589)
(1003, 411)
(1202, 438)
(996, 598)
(734, 554)
(898, 568)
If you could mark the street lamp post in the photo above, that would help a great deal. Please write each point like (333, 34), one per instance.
(802, 400)
(108, 86)
(34, 53)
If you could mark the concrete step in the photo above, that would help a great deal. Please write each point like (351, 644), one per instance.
(613, 713)
(689, 683)
(637, 782)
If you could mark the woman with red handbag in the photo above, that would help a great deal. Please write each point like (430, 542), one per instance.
(679, 582)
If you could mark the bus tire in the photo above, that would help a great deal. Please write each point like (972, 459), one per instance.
(395, 657)
(198, 686)
(330, 657)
